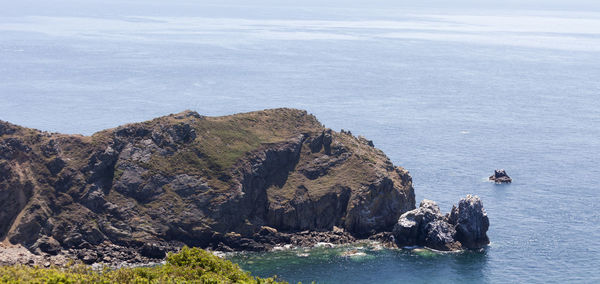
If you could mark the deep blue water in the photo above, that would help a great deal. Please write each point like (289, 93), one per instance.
(449, 94)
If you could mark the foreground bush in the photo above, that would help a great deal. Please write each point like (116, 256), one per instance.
(190, 265)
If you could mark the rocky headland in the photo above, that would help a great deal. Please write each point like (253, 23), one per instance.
(248, 181)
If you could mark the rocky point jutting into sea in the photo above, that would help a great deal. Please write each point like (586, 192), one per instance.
(248, 181)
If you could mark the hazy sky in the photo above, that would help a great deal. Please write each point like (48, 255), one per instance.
(253, 8)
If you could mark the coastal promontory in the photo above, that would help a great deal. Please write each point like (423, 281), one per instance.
(239, 182)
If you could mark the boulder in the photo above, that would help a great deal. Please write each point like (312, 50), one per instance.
(406, 231)
(440, 235)
(88, 256)
(411, 227)
(471, 222)
(500, 176)
(237, 242)
(153, 250)
(268, 235)
(48, 245)
(266, 230)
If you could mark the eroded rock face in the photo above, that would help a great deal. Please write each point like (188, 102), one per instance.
(471, 222)
(15, 193)
(500, 176)
(412, 227)
(200, 181)
(441, 235)
(464, 227)
(11, 148)
(171, 135)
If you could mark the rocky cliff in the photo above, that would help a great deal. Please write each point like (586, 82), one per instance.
(195, 180)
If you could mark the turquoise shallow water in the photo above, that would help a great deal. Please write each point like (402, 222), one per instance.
(367, 264)
(449, 94)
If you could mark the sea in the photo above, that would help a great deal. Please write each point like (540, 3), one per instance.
(448, 90)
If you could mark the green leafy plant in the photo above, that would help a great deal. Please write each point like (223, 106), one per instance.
(190, 265)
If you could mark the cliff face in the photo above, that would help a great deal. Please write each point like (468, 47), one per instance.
(194, 179)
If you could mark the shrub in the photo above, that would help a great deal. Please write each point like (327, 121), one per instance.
(190, 265)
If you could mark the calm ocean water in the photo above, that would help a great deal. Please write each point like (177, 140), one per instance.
(449, 94)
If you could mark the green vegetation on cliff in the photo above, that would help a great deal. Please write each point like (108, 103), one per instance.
(190, 265)
(197, 180)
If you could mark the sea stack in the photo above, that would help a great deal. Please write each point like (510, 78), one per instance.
(500, 176)
(464, 228)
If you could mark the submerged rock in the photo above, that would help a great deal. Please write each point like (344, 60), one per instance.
(500, 176)
(464, 227)
(425, 252)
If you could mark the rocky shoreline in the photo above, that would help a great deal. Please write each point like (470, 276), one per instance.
(463, 228)
(244, 182)
(115, 256)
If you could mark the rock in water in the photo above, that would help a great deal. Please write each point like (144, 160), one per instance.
(410, 229)
(471, 222)
(500, 176)
(440, 235)
(406, 231)
(465, 227)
